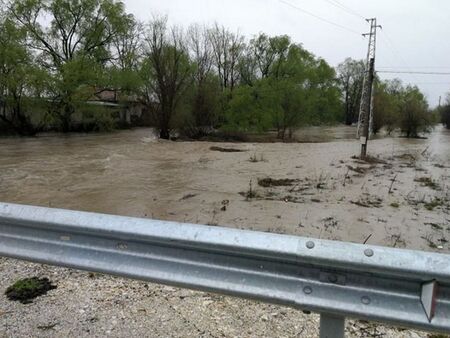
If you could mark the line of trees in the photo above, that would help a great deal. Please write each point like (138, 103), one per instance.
(56, 54)
(397, 106)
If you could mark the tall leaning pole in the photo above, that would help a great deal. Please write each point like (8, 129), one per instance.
(366, 108)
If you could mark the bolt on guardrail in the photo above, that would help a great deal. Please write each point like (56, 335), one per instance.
(338, 280)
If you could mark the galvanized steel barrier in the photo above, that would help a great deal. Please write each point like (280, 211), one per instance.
(338, 280)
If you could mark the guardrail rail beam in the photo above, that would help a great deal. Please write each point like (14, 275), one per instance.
(398, 287)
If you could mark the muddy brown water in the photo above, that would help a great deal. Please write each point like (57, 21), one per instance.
(132, 173)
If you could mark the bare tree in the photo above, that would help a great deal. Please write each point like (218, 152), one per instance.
(166, 70)
(351, 75)
(127, 46)
(201, 51)
(264, 57)
(227, 50)
(206, 85)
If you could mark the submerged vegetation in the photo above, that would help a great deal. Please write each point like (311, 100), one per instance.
(401, 107)
(91, 66)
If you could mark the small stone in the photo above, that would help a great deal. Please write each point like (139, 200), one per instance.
(207, 302)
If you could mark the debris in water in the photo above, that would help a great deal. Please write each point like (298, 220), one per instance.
(270, 182)
(369, 202)
(188, 196)
(226, 150)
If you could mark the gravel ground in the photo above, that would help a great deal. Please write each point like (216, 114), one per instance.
(92, 305)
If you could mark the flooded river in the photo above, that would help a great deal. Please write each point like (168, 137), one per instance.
(132, 173)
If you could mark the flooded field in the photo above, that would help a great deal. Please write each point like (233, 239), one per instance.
(400, 199)
(329, 195)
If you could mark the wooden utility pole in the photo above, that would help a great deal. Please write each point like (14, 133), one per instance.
(366, 108)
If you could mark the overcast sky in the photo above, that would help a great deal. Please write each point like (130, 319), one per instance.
(415, 36)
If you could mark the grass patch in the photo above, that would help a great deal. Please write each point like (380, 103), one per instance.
(25, 290)
(359, 170)
(406, 156)
(435, 226)
(369, 201)
(430, 241)
(370, 159)
(250, 193)
(270, 182)
(427, 182)
(430, 206)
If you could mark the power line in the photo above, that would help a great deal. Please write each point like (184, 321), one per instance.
(412, 72)
(344, 8)
(393, 50)
(434, 83)
(318, 17)
(414, 67)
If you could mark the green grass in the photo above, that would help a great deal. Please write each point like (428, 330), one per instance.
(27, 289)
(430, 206)
(428, 182)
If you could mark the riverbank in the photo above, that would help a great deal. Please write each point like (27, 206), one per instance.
(306, 189)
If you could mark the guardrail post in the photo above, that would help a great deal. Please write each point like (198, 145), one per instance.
(331, 326)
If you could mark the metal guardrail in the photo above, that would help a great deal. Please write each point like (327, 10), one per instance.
(338, 280)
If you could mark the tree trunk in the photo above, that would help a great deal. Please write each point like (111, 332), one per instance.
(65, 123)
(291, 132)
(164, 133)
(348, 115)
(66, 117)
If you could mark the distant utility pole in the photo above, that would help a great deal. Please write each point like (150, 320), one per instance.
(365, 112)
(440, 97)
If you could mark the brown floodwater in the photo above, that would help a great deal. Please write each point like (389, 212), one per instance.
(133, 173)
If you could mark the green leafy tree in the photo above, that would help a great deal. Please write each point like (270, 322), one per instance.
(290, 88)
(415, 117)
(73, 46)
(351, 76)
(20, 80)
(324, 95)
(126, 59)
(403, 107)
(290, 110)
(251, 108)
(386, 106)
